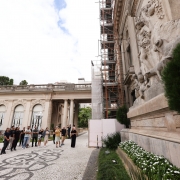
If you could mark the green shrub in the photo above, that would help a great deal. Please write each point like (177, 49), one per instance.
(112, 141)
(121, 116)
(107, 169)
(171, 79)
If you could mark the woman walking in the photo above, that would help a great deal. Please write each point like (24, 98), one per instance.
(57, 137)
(73, 137)
(40, 137)
(46, 134)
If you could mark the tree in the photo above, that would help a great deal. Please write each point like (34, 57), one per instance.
(23, 82)
(4, 80)
(84, 115)
(171, 80)
(121, 116)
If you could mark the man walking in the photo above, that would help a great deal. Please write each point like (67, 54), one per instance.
(22, 136)
(26, 137)
(69, 131)
(16, 138)
(6, 141)
(34, 136)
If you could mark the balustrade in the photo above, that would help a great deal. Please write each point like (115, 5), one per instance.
(53, 87)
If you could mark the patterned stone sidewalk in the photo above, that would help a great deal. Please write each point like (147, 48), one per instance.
(48, 162)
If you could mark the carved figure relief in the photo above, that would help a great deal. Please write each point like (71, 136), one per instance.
(140, 84)
(156, 39)
(144, 26)
(148, 48)
(165, 48)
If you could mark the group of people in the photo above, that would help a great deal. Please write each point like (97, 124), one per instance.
(63, 133)
(14, 135)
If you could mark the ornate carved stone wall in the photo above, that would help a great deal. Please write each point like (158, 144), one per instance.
(153, 28)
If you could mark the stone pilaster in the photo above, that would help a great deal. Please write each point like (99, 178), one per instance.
(64, 120)
(71, 111)
(76, 115)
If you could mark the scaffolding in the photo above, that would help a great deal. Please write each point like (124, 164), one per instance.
(111, 85)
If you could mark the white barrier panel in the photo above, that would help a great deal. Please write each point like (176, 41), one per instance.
(95, 130)
(101, 128)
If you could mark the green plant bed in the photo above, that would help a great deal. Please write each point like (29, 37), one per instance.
(154, 166)
(110, 166)
(134, 172)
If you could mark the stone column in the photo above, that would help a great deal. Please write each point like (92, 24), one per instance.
(76, 115)
(62, 113)
(46, 118)
(27, 115)
(64, 123)
(49, 114)
(71, 111)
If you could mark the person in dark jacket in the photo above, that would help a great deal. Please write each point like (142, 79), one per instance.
(6, 140)
(22, 136)
(63, 135)
(54, 135)
(16, 138)
(73, 137)
(69, 131)
(34, 136)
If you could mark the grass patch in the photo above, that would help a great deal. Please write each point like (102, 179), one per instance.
(107, 169)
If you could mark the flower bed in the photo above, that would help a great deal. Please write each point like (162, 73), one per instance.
(155, 167)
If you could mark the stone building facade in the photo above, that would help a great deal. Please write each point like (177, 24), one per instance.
(42, 106)
(148, 31)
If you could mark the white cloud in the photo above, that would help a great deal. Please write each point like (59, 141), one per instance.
(35, 48)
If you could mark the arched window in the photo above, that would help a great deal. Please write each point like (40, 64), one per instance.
(2, 113)
(37, 116)
(18, 116)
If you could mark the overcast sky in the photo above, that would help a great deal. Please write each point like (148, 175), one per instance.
(45, 41)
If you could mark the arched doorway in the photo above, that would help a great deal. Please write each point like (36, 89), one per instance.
(37, 115)
(18, 116)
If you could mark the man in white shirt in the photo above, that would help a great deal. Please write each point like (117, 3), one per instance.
(26, 137)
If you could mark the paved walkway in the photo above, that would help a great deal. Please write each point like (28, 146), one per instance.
(49, 162)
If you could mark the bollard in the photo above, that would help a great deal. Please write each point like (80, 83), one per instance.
(97, 142)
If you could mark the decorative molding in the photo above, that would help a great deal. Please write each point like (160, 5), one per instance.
(5, 103)
(19, 102)
(35, 102)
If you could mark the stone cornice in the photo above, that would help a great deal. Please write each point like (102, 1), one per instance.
(116, 13)
(123, 8)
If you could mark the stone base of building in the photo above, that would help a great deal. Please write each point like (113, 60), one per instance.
(155, 128)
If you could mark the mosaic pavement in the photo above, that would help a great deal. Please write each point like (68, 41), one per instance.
(48, 162)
